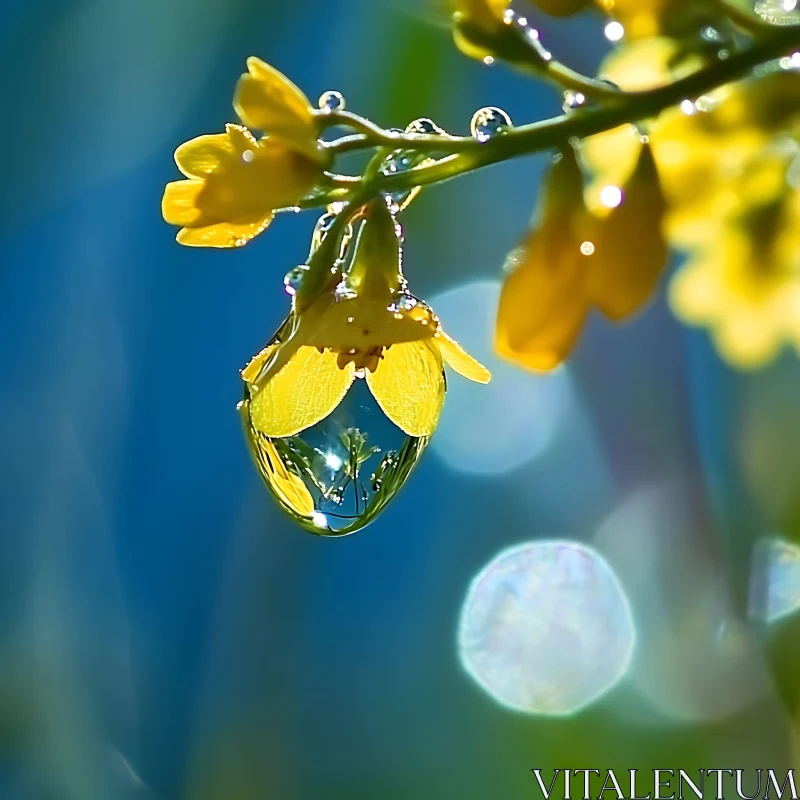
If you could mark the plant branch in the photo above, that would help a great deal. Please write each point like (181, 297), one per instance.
(518, 44)
(467, 154)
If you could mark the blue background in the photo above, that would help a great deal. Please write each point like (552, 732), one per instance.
(164, 631)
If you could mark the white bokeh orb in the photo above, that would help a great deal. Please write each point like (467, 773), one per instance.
(774, 580)
(546, 628)
(493, 429)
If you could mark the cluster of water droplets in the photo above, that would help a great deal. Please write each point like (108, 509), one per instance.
(528, 33)
(295, 276)
(489, 122)
(404, 160)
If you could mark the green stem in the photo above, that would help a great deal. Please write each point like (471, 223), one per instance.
(520, 47)
(467, 154)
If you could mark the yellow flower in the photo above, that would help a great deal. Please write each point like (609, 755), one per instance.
(235, 185)
(543, 303)
(476, 23)
(268, 101)
(743, 279)
(367, 326)
(573, 260)
(237, 182)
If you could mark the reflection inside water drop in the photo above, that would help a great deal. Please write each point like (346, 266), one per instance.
(402, 161)
(332, 101)
(335, 477)
(488, 122)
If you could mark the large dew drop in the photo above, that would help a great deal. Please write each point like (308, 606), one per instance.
(336, 477)
(546, 628)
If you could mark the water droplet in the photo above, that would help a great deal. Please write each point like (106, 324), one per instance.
(688, 107)
(488, 60)
(405, 302)
(644, 138)
(790, 62)
(706, 103)
(722, 54)
(248, 156)
(332, 101)
(587, 248)
(710, 34)
(424, 126)
(614, 31)
(777, 12)
(573, 100)
(330, 478)
(294, 278)
(321, 229)
(401, 161)
(488, 122)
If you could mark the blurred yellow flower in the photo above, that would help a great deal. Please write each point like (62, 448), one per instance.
(646, 18)
(722, 159)
(575, 259)
(237, 182)
(368, 326)
(476, 22)
(742, 280)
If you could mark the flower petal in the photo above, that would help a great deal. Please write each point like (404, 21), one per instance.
(236, 185)
(250, 372)
(543, 302)
(179, 204)
(267, 100)
(408, 384)
(211, 153)
(630, 249)
(223, 234)
(288, 487)
(302, 393)
(460, 360)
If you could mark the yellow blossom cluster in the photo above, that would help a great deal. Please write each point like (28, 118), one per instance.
(725, 161)
(235, 181)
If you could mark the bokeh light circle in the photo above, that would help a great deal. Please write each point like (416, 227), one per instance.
(546, 628)
(493, 429)
(774, 580)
